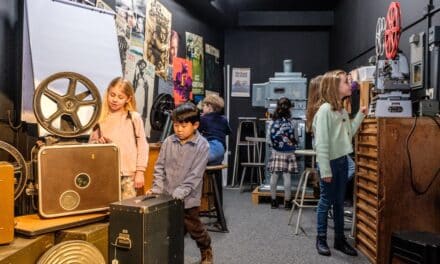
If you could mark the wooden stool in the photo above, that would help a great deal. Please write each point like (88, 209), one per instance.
(212, 197)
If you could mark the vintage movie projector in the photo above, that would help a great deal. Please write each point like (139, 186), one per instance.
(70, 177)
(293, 86)
(392, 74)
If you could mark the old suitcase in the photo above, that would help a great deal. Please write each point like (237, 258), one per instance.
(23, 251)
(6, 203)
(146, 229)
(96, 234)
(76, 179)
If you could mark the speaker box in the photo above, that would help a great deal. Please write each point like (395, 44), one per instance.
(6, 203)
(76, 179)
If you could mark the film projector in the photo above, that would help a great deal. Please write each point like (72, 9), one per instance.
(70, 178)
(392, 74)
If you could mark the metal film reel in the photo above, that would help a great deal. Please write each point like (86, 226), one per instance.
(72, 252)
(68, 105)
(162, 107)
(380, 33)
(21, 171)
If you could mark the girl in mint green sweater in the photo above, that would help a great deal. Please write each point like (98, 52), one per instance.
(333, 133)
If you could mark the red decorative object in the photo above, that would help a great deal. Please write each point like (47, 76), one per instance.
(393, 30)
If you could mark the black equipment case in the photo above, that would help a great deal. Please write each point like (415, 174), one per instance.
(146, 229)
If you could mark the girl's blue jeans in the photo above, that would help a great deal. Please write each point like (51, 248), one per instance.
(332, 194)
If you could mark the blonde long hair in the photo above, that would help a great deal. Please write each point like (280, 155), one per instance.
(128, 90)
(312, 101)
(329, 90)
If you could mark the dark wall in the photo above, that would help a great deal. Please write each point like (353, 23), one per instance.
(353, 34)
(10, 66)
(263, 50)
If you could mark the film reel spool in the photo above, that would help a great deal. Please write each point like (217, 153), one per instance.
(393, 30)
(21, 171)
(162, 104)
(72, 252)
(68, 104)
(380, 33)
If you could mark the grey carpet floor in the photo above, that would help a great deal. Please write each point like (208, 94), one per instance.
(261, 235)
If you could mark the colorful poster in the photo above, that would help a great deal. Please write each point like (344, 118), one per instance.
(213, 71)
(182, 72)
(194, 53)
(241, 82)
(157, 40)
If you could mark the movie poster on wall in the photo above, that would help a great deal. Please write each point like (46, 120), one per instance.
(174, 46)
(183, 84)
(137, 38)
(241, 82)
(157, 40)
(213, 72)
(141, 74)
(194, 53)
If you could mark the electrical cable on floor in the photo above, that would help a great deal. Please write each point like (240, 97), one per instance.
(413, 184)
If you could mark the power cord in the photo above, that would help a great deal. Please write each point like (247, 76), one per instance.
(413, 185)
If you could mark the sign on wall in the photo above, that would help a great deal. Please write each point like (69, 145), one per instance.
(241, 82)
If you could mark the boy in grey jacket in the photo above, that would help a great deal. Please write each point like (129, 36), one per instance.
(179, 172)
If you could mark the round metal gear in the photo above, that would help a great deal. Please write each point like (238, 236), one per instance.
(72, 252)
(21, 171)
(162, 105)
(68, 104)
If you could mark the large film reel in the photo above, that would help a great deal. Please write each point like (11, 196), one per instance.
(162, 107)
(72, 252)
(68, 104)
(20, 169)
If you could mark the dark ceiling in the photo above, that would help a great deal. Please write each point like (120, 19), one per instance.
(224, 13)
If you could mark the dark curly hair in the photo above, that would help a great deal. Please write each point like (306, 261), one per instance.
(283, 109)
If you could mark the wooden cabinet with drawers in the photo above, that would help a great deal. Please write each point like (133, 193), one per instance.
(385, 197)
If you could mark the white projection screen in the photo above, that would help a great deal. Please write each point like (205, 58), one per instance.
(64, 36)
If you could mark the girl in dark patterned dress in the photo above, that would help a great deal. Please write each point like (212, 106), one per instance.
(282, 160)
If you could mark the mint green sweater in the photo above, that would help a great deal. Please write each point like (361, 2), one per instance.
(333, 132)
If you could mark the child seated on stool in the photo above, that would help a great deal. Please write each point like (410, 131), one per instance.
(282, 159)
(214, 127)
(179, 172)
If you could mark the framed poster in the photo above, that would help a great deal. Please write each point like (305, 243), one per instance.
(157, 38)
(183, 84)
(241, 82)
(194, 53)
